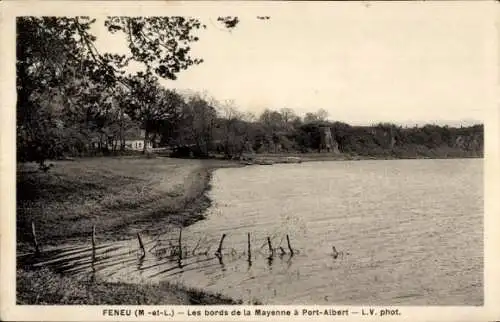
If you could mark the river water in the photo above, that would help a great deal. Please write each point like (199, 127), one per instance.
(410, 232)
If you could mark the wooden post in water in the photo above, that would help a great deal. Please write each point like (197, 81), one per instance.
(93, 243)
(92, 264)
(219, 250)
(180, 243)
(270, 246)
(141, 245)
(35, 242)
(289, 246)
(249, 250)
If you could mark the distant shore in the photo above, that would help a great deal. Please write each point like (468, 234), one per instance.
(311, 157)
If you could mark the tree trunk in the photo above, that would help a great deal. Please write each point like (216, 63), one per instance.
(100, 143)
(122, 139)
(153, 140)
(146, 135)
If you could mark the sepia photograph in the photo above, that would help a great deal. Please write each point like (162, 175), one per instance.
(270, 154)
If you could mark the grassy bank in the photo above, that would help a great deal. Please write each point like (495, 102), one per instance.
(43, 286)
(119, 196)
(111, 193)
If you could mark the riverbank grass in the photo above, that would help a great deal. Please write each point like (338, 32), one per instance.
(110, 193)
(44, 287)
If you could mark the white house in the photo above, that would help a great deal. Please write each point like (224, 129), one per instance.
(136, 142)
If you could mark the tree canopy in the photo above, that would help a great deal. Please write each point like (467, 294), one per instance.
(64, 82)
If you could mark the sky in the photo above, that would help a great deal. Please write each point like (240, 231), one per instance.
(362, 62)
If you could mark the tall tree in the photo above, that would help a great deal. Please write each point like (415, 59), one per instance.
(234, 128)
(151, 104)
(310, 118)
(197, 123)
(322, 115)
(57, 56)
(289, 118)
(319, 116)
(50, 61)
(272, 119)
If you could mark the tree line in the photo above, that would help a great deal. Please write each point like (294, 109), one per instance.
(74, 100)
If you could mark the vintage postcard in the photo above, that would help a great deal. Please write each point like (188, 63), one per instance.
(171, 161)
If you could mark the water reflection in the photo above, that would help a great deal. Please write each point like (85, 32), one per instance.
(221, 262)
(270, 260)
(140, 262)
(124, 259)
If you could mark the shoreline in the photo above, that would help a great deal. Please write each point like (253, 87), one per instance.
(58, 288)
(317, 157)
(186, 209)
(172, 208)
(46, 287)
(190, 208)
